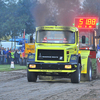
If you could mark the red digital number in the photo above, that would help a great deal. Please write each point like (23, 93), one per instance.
(80, 21)
(90, 21)
(94, 22)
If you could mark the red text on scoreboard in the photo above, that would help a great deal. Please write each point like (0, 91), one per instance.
(86, 22)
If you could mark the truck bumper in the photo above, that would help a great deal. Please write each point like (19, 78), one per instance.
(55, 71)
(52, 67)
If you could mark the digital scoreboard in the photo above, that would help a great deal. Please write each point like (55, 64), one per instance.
(86, 22)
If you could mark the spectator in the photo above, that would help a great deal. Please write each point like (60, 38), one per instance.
(19, 52)
(9, 57)
(0, 47)
(7, 50)
(2, 56)
(98, 54)
(12, 55)
(5, 56)
(16, 57)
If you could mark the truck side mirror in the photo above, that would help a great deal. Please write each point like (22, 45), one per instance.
(83, 39)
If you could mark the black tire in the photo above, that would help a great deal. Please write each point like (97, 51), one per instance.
(90, 72)
(76, 76)
(88, 76)
(31, 76)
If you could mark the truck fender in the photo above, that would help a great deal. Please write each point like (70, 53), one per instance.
(75, 59)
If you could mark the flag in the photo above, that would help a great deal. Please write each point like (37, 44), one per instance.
(24, 34)
(23, 45)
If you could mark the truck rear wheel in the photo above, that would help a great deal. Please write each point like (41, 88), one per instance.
(31, 76)
(88, 76)
(76, 76)
(90, 72)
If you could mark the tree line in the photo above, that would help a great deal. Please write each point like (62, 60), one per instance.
(17, 15)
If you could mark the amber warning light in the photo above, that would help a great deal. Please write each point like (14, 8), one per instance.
(86, 23)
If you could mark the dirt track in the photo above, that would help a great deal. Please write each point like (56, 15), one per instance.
(14, 86)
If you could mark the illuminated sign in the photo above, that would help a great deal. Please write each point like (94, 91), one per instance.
(86, 22)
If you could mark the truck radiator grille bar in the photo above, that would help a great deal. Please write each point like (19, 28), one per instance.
(54, 55)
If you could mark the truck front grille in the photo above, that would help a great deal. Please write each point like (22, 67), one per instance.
(54, 55)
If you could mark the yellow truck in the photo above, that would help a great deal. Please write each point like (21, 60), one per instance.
(57, 54)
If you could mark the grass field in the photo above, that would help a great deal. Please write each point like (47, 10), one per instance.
(7, 68)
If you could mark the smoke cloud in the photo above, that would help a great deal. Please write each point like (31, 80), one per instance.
(55, 12)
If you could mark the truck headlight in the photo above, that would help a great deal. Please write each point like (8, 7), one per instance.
(68, 66)
(79, 52)
(32, 66)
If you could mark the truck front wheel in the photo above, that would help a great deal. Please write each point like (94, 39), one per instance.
(88, 76)
(31, 76)
(76, 76)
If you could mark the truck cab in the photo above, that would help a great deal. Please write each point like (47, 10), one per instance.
(56, 53)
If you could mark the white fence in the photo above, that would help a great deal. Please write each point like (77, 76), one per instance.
(8, 44)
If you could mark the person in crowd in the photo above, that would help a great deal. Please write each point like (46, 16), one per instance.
(15, 53)
(19, 52)
(5, 56)
(2, 55)
(14, 50)
(12, 55)
(9, 57)
(98, 54)
(7, 50)
(16, 57)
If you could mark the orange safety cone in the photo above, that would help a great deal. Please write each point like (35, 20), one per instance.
(12, 64)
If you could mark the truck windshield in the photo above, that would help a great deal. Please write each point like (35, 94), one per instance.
(55, 37)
